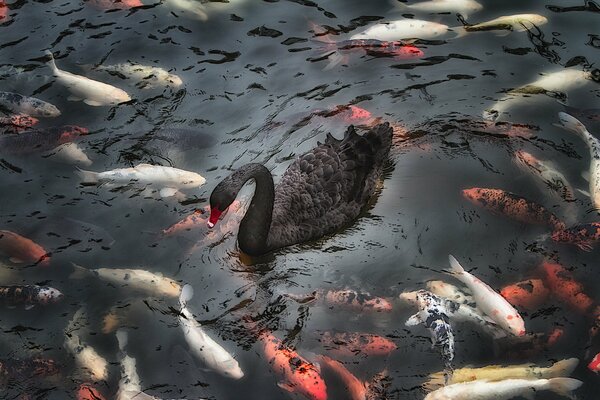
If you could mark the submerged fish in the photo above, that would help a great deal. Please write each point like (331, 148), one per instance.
(356, 389)
(18, 370)
(528, 294)
(583, 236)
(464, 7)
(511, 205)
(563, 286)
(491, 303)
(69, 153)
(168, 179)
(20, 249)
(554, 84)
(403, 29)
(193, 9)
(39, 140)
(30, 106)
(360, 301)
(505, 389)
(574, 125)
(129, 384)
(28, 295)
(114, 4)
(354, 343)
(92, 364)
(296, 374)
(559, 369)
(515, 23)
(137, 279)
(434, 314)
(147, 77)
(91, 92)
(17, 123)
(212, 354)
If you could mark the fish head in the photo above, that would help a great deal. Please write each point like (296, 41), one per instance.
(516, 324)
(379, 304)
(538, 19)
(48, 295)
(474, 195)
(409, 297)
(231, 369)
(595, 75)
(49, 111)
(174, 80)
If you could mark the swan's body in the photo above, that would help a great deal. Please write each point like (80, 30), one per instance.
(322, 191)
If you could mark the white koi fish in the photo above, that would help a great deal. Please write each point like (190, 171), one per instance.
(86, 357)
(93, 93)
(555, 84)
(69, 153)
(138, 279)
(167, 178)
(129, 384)
(146, 76)
(403, 29)
(506, 23)
(506, 389)
(572, 124)
(213, 355)
(464, 7)
(490, 302)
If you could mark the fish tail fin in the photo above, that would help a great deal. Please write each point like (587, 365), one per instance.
(335, 58)
(571, 123)
(122, 338)
(490, 115)
(564, 368)
(460, 31)
(564, 386)
(455, 267)
(51, 62)
(87, 176)
(187, 292)
(435, 381)
(79, 272)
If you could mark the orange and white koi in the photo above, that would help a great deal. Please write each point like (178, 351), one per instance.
(489, 301)
(356, 389)
(563, 286)
(528, 294)
(20, 249)
(513, 206)
(354, 343)
(584, 236)
(297, 375)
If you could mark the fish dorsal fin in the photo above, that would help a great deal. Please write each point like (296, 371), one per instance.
(144, 165)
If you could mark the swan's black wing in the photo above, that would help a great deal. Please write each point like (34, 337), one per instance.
(327, 188)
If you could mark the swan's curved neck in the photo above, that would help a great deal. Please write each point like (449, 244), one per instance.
(253, 236)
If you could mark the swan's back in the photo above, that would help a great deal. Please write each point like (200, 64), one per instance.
(327, 188)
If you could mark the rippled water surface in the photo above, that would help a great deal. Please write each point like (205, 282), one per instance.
(261, 83)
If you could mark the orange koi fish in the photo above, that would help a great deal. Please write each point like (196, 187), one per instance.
(297, 375)
(528, 294)
(352, 344)
(355, 388)
(563, 285)
(20, 249)
(513, 206)
(583, 236)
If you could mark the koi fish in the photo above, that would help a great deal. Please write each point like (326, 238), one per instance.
(594, 365)
(169, 179)
(212, 354)
(583, 236)
(17, 123)
(137, 279)
(92, 364)
(147, 77)
(491, 303)
(91, 92)
(354, 387)
(69, 153)
(21, 250)
(88, 392)
(30, 106)
(402, 29)
(433, 313)
(129, 384)
(352, 344)
(114, 4)
(297, 375)
(513, 206)
(554, 84)
(494, 373)
(359, 301)
(511, 23)
(23, 369)
(563, 286)
(28, 295)
(505, 389)
(463, 7)
(528, 294)
(39, 140)
(593, 176)
(450, 292)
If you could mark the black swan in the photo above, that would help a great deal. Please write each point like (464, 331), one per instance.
(320, 192)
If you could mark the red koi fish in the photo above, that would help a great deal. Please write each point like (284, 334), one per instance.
(594, 365)
(583, 236)
(356, 389)
(18, 122)
(339, 53)
(88, 392)
(192, 221)
(528, 295)
(513, 206)
(3, 11)
(20, 249)
(352, 344)
(359, 301)
(563, 286)
(297, 375)
(114, 4)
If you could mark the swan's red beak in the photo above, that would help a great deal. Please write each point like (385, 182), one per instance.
(215, 213)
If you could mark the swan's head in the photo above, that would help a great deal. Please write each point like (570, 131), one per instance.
(220, 200)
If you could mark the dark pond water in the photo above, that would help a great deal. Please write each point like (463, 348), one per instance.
(253, 94)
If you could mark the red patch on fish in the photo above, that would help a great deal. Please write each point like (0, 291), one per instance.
(71, 132)
(88, 392)
(555, 336)
(18, 122)
(583, 236)
(563, 286)
(192, 221)
(528, 295)
(114, 4)
(594, 365)
(3, 11)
